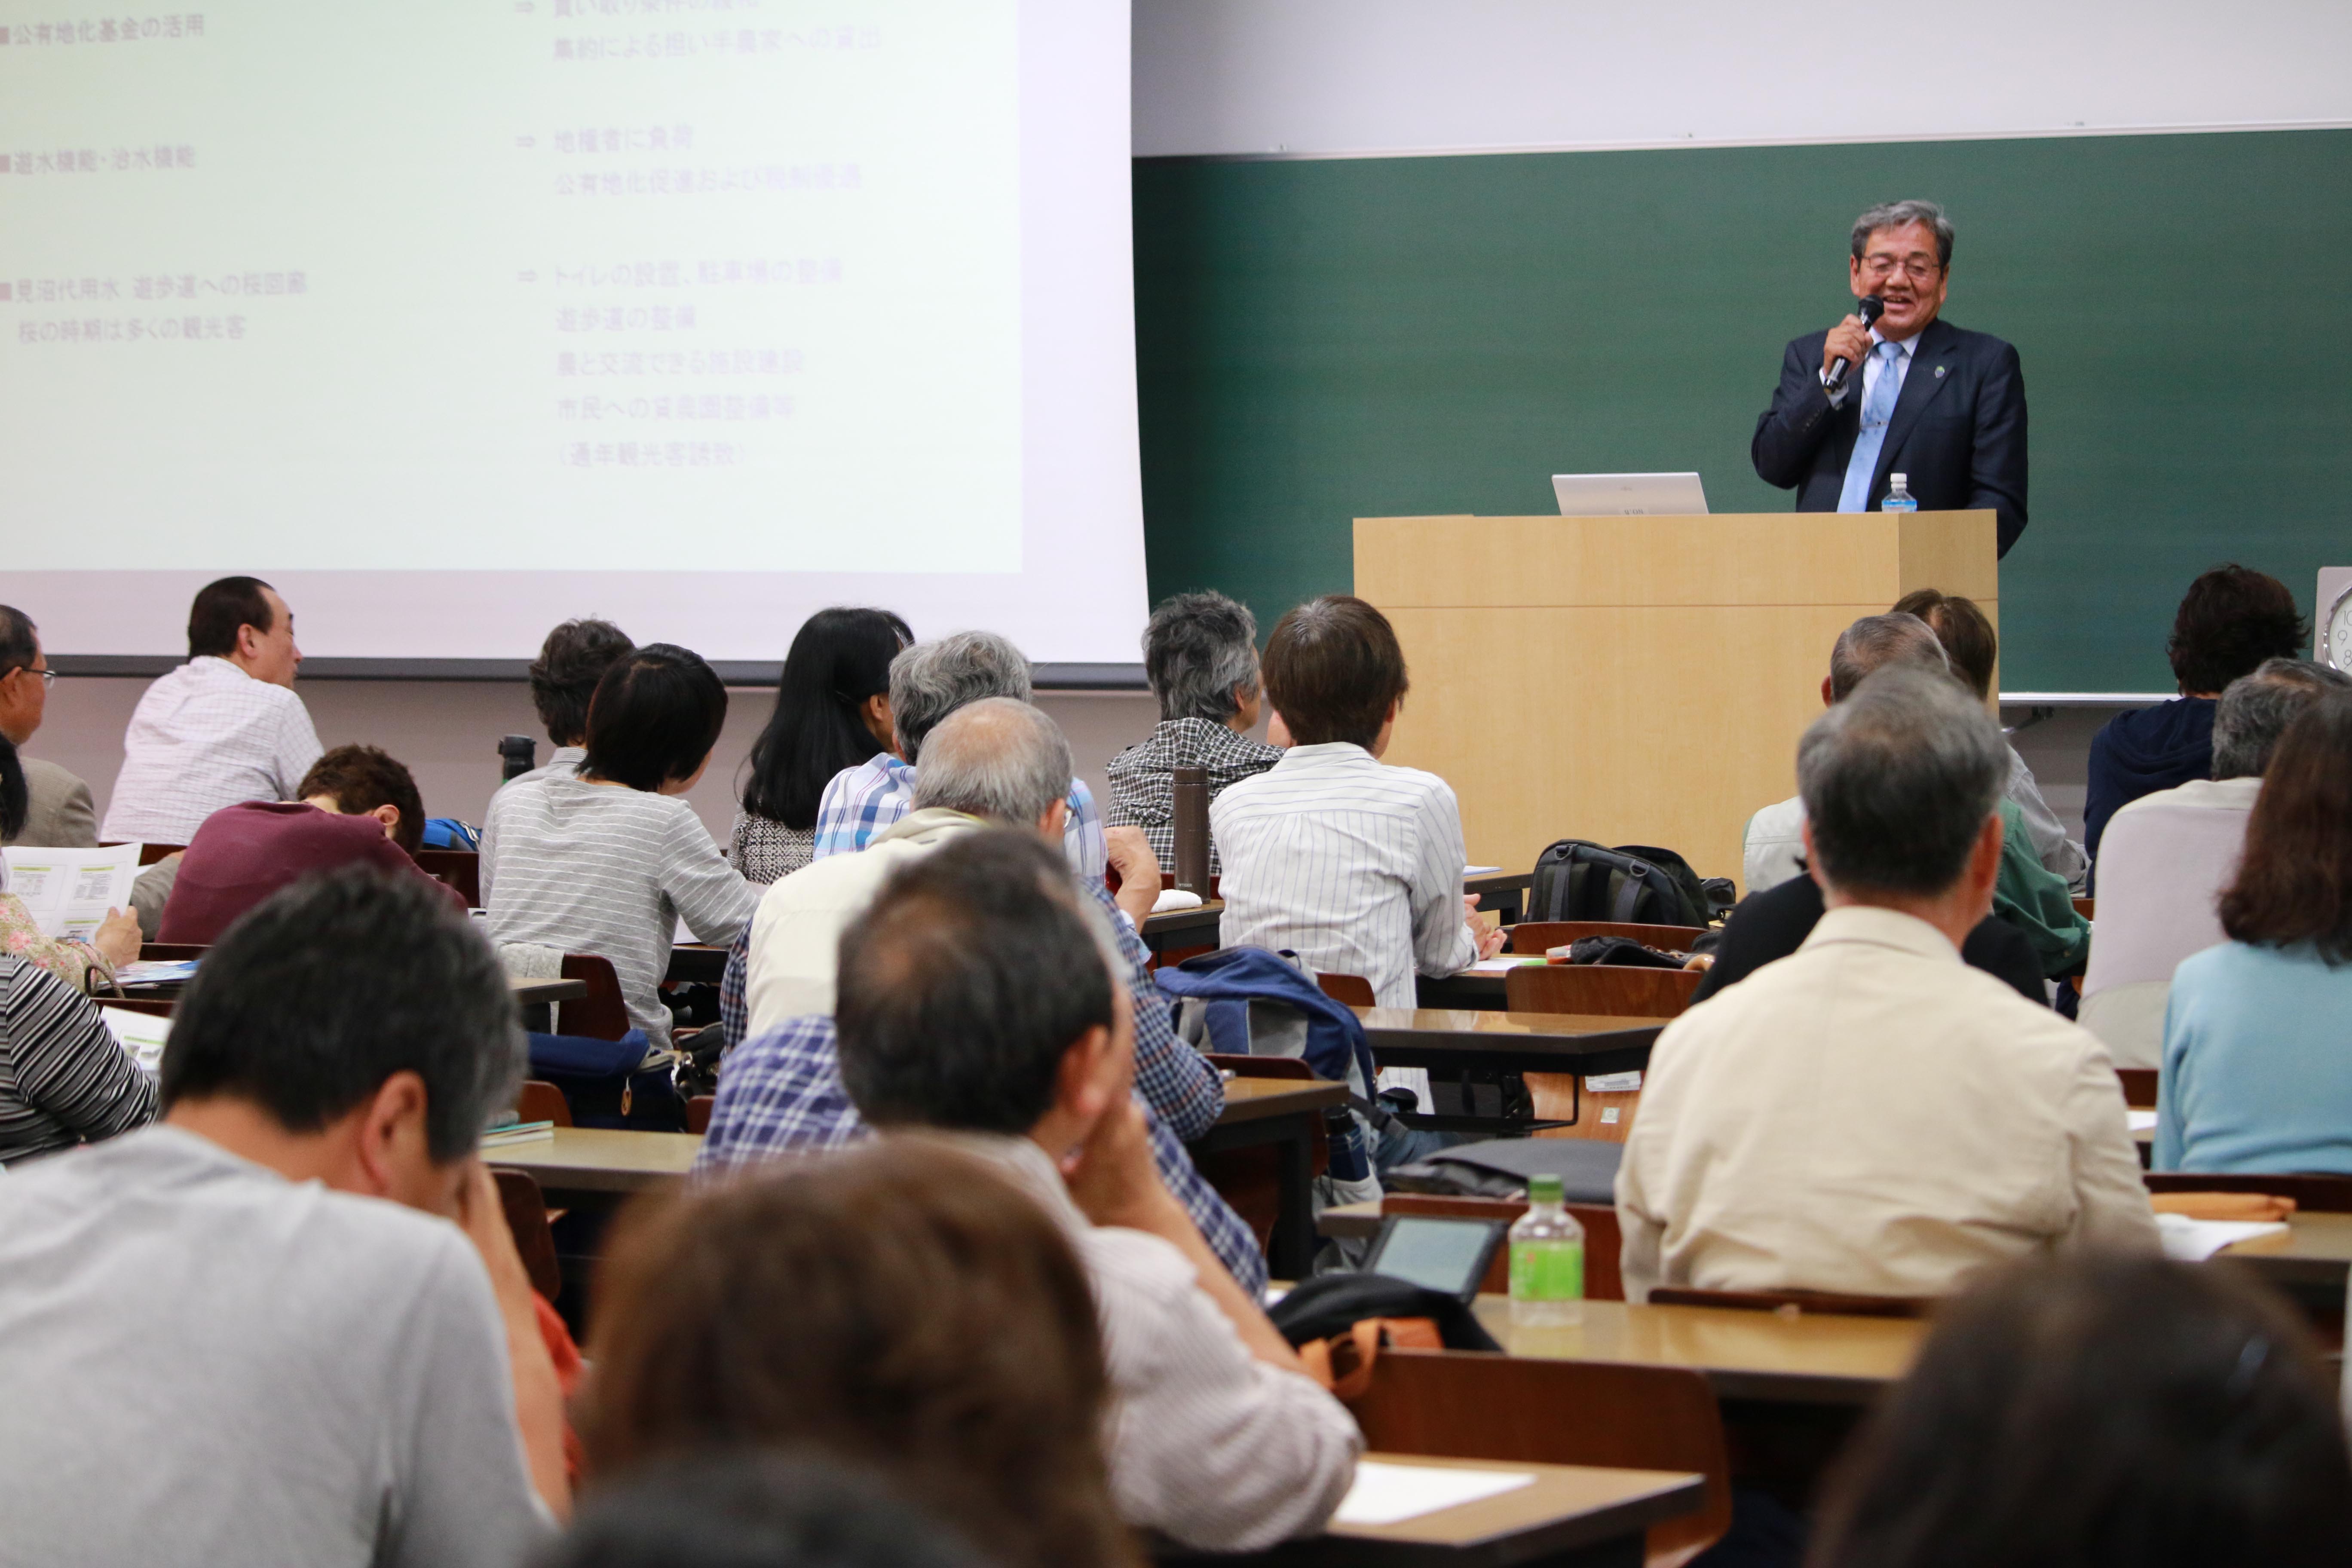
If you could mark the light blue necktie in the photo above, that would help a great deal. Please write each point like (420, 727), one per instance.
(1877, 408)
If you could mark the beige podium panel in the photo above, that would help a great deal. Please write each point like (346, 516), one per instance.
(1636, 679)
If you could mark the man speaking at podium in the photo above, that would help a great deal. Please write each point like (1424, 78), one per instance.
(1893, 389)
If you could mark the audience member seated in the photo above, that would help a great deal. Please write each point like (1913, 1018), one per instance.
(2027, 896)
(2082, 1412)
(978, 998)
(80, 964)
(903, 1308)
(2230, 620)
(1871, 1115)
(356, 805)
(64, 1077)
(563, 680)
(928, 682)
(995, 761)
(833, 708)
(607, 859)
(58, 813)
(2255, 1077)
(224, 727)
(1354, 865)
(1974, 650)
(743, 1508)
(2166, 858)
(220, 1344)
(1200, 654)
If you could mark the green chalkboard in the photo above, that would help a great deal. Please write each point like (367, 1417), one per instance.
(1323, 340)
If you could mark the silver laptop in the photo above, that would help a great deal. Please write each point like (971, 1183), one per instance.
(1629, 495)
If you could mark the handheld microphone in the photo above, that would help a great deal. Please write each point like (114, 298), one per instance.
(1870, 309)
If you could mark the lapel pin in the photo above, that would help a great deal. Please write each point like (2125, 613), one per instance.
(1939, 373)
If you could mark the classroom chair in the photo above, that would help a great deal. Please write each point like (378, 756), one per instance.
(1353, 989)
(2139, 1087)
(697, 1112)
(153, 1007)
(171, 952)
(2314, 1192)
(1248, 1179)
(1794, 1301)
(601, 1015)
(1614, 990)
(540, 1101)
(1602, 1240)
(461, 869)
(150, 853)
(1533, 937)
(1468, 1405)
(526, 1212)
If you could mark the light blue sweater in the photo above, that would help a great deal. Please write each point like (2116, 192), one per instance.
(2257, 1072)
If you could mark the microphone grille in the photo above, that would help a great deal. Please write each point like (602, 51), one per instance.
(1871, 309)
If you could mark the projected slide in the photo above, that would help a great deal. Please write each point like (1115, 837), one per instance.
(504, 286)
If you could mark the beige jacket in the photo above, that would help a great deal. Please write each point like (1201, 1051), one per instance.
(1870, 1115)
(59, 814)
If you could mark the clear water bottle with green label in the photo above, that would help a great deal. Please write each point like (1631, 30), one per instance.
(1546, 1259)
(1898, 494)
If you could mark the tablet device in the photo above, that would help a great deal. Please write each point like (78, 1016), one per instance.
(1629, 495)
(1448, 1254)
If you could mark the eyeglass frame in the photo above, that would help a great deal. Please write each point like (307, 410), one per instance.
(1914, 268)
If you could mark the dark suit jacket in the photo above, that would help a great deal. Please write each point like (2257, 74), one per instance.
(1958, 432)
(1774, 923)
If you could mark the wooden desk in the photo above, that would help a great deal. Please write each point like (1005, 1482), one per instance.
(1455, 1038)
(597, 1167)
(536, 992)
(1280, 1111)
(1570, 1515)
(697, 963)
(1814, 1359)
(2311, 1261)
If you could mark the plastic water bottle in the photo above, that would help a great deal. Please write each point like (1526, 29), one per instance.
(1547, 1260)
(1898, 495)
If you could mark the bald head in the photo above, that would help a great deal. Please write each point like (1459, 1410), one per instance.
(1877, 642)
(995, 758)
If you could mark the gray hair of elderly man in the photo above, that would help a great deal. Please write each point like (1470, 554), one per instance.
(1198, 651)
(1874, 642)
(1898, 781)
(2255, 709)
(932, 679)
(995, 758)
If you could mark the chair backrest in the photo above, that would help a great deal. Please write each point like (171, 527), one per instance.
(2088, 908)
(2139, 1087)
(172, 952)
(697, 1112)
(1260, 1067)
(1542, 936)
(1600, 1117)
(1464, 1404)
(461, 869)
(2314, 1192)
(1353, 989)
(1794, 1301)
(152, 1006)
(526, 1210)
(541, 1100)
(601, 1015)
(150, 853)
(1617, 991)
(1602, 1240)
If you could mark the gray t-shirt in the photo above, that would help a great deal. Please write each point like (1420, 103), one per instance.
(202, 1363)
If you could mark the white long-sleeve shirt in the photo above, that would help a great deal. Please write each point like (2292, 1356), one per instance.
(1352, 864)
(205, 736)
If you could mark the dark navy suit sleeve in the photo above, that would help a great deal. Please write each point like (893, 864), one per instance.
(1997, 473)
(1799, 421)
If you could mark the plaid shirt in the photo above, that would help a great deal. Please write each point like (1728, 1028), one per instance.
(1143, 792)
(783, 1092)
(862, 801)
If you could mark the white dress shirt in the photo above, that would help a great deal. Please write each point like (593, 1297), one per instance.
(1207, 1444)
(1870, 1115)
(1870, 367)
(205, 736)
(2163, 863)
(1353, 865)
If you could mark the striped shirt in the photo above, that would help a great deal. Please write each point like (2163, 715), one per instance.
(205, 736)
(1354, 866)
(1143, 785)
(64, 1078)
(862, 801)
(606, 870)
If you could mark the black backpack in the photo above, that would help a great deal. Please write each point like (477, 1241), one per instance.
(1633, 884)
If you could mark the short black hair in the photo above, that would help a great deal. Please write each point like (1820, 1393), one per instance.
(969, 977)
(563, 677)
(221, 608)
(327, 988)
(1333, 669)
(750, 1509)
(656, 715)
(2231, 619)
(361, 778)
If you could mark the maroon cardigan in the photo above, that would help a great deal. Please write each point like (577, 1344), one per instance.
(246, 852)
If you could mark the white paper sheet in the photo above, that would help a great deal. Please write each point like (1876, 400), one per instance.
(141, 1034)
(1174, 899)
(2189, 1240)
(2140, 1121)
(1482, 870)
(1389, 1494)
(68, 891)
(1503, 963)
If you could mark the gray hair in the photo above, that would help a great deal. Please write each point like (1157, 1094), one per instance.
(1902, 215)
(1874, 642)
(2255, 709)
(932, 679)
(1199, 649)
(1898, 781)
(995, 758)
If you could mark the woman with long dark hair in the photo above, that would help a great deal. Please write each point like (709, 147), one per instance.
(832, 711)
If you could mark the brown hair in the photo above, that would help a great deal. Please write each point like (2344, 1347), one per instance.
(2231, 619)
(2294, 879)
(1963, 629)
(361, 778)
(1332, 669)
(563, 677)
(900, 1306)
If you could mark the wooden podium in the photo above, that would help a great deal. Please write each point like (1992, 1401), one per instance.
(1636, 679)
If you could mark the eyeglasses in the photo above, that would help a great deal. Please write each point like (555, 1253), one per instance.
(1917, 268)
(48, 677)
